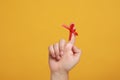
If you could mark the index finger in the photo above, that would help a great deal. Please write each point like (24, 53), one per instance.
(72, 41)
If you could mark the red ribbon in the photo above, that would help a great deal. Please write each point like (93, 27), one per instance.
(72, 30)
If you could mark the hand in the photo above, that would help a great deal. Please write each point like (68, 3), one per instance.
(63, 56)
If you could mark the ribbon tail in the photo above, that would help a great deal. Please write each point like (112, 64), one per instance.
(66, 27)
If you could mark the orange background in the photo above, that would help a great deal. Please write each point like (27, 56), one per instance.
(27, 27)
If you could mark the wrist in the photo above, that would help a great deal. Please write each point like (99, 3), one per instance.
(61, 75)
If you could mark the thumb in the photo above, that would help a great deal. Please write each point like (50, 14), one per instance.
(76, 53)
(76, 50)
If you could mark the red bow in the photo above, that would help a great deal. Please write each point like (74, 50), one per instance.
(71, 30)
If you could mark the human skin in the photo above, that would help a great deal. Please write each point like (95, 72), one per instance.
(63, 56)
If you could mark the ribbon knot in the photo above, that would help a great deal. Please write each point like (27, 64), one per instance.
(72, 30)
